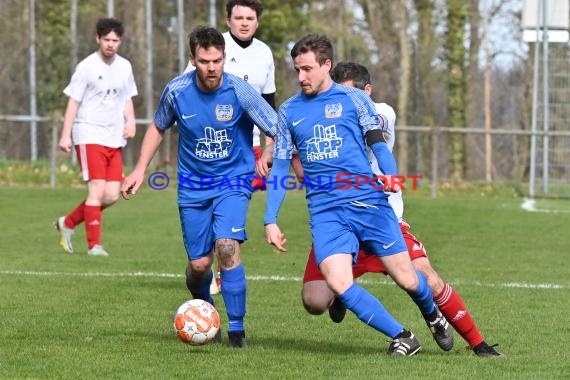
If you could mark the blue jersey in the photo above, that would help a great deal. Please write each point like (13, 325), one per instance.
(214, 149)
(328, 131)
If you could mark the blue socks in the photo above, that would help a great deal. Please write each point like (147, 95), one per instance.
(370, 310)
(423, 297)
(234, 293)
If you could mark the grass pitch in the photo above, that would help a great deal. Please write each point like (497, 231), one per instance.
(72, 316)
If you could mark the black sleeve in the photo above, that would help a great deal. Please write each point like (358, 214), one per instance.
(269, 98)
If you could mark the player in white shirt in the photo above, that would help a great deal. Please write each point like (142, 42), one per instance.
(250, 59)
(98, 119)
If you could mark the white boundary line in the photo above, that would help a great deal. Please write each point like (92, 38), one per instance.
(512, 285)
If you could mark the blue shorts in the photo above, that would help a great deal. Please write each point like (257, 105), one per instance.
(216, 218)
(341, 229)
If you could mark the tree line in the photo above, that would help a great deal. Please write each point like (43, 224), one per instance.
(428, 59)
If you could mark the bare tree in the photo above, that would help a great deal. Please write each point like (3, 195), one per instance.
(456, 54)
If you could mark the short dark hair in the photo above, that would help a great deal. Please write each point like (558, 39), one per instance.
(205, 37)
(105, 26)
(318, 44)
(351, 71)
(253, 4)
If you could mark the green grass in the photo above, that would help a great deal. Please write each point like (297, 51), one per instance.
(73, 316)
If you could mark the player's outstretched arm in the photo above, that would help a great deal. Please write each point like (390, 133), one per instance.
(151, 142)
(275, 237)
(275, 196)
(385, 158)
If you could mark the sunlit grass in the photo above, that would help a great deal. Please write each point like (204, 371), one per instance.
(73, 316)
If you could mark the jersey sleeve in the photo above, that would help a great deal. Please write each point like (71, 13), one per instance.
(77, 85)
(390, 130)
(131, 89)
(368, 118)
(258, 110)
(283, 148)
(165, 114)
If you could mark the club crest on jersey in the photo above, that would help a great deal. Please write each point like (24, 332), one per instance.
(224, 112)
(324, 145)
(333, 110)
(214, 145)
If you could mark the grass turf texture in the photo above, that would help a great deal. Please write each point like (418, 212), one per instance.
(73, 316)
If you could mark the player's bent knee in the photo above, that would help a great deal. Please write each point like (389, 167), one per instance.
(314, 305)
(316, 297)
(227, 251)
(226, 247)
(110, 199)
(313, 310)
(408, 282)
(199, 267)
(435, 282)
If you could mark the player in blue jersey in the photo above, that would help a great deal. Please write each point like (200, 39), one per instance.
(317, 297)
(215, 112)
(252, 60)
(330, 125)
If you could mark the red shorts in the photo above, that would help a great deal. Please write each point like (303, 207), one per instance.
(367, 263)
(100, 162)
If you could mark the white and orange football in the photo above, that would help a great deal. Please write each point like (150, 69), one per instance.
(196, 322)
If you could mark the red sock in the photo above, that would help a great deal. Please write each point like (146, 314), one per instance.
(454, 310)
(93, 225)
(75, 217)
(258, 184)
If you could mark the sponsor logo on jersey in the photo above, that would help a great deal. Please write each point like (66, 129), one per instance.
(333, 110)
(224, 112)
(214, 145)
(324, 145)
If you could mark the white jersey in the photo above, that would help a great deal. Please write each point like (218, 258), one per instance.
(101, 91)
(395, 199)
(254, 64)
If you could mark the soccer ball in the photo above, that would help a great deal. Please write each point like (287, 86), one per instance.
(196, 322)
